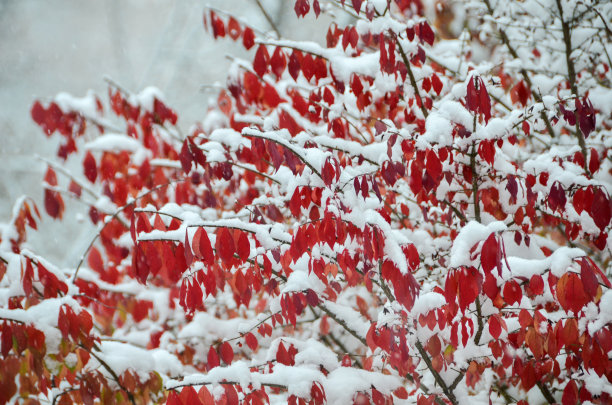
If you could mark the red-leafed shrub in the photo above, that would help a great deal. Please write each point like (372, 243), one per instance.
(407, 214)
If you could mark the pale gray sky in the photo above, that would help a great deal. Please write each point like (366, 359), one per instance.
(47, 47)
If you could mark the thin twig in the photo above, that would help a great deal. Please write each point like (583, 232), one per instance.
(269, 19)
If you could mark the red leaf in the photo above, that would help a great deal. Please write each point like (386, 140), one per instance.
(486, 150)
(205, 396)
(356, 85)
(485, 101)
(285, 356)
(512, 292)
(528, 377)
(95, 260)
(425, 33)
(38, 113)
(570, 394)
(225, 245)
(495, 326)
(54, 205)
(436, 84)
(62, 323)
(468, 288)
(490, 287)
(433, 346)
(490, 255)
(278, 62)
(173, 399)
(316, 7)
(227, 353)
(594, 161)
(251, 341)
(519, 93)
(525, 127)
(230, 394)
(50, 177)
(301, 8)
(589, 279)
(556, 198)
(413, 256)
(75, 189)
(261, 61)
(233, 29)
(328, 173)
(601, 209)
(7, 338)
(248, 38)
(471, 98)
(525, 318)
(586, 116)
(89, 167)
(218, 27)
(536, 284)
(244, 246)
(212, 359)
(401, 393)
(204, 246)
(186, 157)
(433, 165)
(194, 296)
(357, 5)
(187, 249)
(189, 396)
(570, 292)
(295, 64)
(308, 66)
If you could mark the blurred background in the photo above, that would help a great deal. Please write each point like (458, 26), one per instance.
(47, 47)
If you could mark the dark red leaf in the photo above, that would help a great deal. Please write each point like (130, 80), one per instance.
(426, 33)
(485, 101)
(186, 157)
(187, 250)
(89, 167)
(261, 61)
(433, 165)
(248, 38)
(436, 84)
(316, 7)
(278, 62)
(301, 7)
(471, 98)
(295, 64)
(328, 173)
(601, 209)
(589, 279)
(54, 204)
(594, 161)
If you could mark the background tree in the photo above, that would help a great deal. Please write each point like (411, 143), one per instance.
(391, 217)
